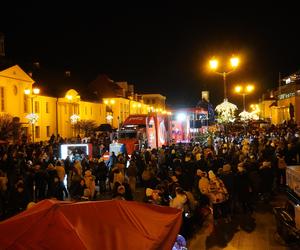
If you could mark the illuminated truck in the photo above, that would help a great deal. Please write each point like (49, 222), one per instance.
(139, 131)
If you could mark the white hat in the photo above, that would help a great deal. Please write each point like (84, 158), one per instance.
(211, 174)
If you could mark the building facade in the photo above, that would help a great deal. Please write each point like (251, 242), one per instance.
(283, 103)
(42, 115)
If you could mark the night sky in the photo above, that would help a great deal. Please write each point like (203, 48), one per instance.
(159, 49)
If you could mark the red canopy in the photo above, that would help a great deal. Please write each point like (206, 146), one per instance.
(113, 224)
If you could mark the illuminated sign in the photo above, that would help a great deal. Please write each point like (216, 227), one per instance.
(285, 96)
(72, 149)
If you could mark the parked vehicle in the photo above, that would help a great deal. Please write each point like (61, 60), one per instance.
(140, 131)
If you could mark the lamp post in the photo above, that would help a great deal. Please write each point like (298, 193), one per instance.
(244, 90)
(214, 64)
(74, 118)
(110, 115)
(32, 117)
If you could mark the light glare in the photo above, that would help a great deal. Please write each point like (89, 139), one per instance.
(234, 62)
(181, 117)
(213, 64)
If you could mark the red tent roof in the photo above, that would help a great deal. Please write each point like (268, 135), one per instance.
(110, 224)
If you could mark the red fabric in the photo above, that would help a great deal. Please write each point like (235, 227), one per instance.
(113, 224)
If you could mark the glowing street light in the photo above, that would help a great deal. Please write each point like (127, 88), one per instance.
(214, 64)
(244, 90)
(110, 102)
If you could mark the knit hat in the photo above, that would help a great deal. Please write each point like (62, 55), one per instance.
(211, 175)
(149, 192)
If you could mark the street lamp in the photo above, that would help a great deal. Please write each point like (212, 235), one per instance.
(110, 114)
(244, 90)
(32, 117)
(214, 65)
(73, 98)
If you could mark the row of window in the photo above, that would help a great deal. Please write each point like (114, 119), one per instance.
(72, 109)
(37, 131)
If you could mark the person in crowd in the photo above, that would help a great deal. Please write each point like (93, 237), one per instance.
(101, 173)
(281, 170)
(112, 160)
(40, 180)
(218, 195)
(131, 174)
(266, 174)
(77, 189)
(89, 180)
(229, 180)
(18, 199)
(243, 189)
(59, 190)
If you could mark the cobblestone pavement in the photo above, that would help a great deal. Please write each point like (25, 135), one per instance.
(257, 232)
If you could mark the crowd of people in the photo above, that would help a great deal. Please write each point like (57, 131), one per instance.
(225, 175)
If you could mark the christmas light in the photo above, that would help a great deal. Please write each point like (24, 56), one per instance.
(74, 118)
(32, 117)
(226, 111)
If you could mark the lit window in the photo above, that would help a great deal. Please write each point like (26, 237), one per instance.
(48, 131)
(47, 107)
(2, 99)
(26, 103)
(37, 107)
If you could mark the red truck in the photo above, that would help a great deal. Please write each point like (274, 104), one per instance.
(137, 131)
